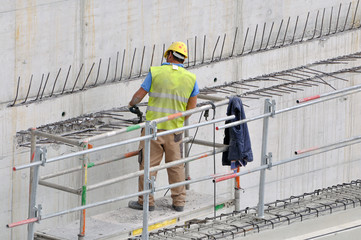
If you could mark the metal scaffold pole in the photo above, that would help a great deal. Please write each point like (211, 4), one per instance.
(84, 180)
(268, 108)
(34, 211)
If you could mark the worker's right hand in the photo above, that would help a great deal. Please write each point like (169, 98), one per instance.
(135, 109)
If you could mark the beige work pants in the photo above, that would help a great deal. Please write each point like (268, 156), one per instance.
(172, 147)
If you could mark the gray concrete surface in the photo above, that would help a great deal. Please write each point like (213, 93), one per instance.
(39, 37)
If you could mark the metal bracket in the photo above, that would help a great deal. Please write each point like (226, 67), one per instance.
(153, 127)
(42, 154)
(269, 160)
(38, 212)
(152, 184)
(272, 107)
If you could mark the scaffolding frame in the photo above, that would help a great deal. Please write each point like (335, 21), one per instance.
(38, 158)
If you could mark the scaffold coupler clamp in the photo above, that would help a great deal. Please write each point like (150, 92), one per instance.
(152, 184)
(206, 112)
(273, 108)
(42, 155)
(38, 212)
(269, 160)
(153, 129)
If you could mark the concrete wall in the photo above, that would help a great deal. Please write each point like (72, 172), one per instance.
(39, 37)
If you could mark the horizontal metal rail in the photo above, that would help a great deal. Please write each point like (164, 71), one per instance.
(333, 96)
(159, 120)
(216, 177)
(327, 94)
(156, 168)
(92, 150)
(327, 148)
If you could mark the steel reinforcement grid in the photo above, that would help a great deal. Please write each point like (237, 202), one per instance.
(281, 212)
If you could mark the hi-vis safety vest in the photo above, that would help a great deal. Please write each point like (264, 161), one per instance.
(169, 93)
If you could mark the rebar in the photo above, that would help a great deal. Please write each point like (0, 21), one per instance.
(86, 80)
(27, 94)
(66, 79)
(234, 42)
(338, 17)
(141, 63)
(116, 67)
(284, 38)
(76, 80)
(131, 66)
(96, 80)
(46, 81)
(245, 40)
(254, 38)
(294, 31)
(56, 79)
(215, 47)
(348, 11)
(278, 33)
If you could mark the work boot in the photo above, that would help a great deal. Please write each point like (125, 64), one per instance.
(178, 208)
(137, 206)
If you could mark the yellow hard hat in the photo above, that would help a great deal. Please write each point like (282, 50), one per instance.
(178, 47)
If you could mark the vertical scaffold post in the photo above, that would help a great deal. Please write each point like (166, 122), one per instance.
(84, 179)
(38, 155)
(269, 107)
(186, 149)
(150, 128)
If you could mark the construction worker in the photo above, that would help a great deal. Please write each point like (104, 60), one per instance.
(171, 89)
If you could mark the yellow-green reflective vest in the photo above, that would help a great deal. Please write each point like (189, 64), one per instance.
(169, 93)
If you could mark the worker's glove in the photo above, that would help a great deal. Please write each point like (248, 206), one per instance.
(135, 109)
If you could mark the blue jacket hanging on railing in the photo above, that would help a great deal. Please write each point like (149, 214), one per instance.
(237, 137)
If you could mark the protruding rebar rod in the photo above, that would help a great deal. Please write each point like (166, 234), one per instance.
(41, 84)
(338, 17)
(66, 79)
(294, 31)
(304, 29)
(195, 51)
(141, 63)
(278, 34)
(215, 47)
(269, 36)
(254, 38)
(284, 38)
(224, 39)
(314, 70)
(46, 81)
(348, 12)
(326, 82)
(17, 92)
(56, 79)
(96, 80)
(161, 61)
(234, 42)
(323, 16)
(245, 40)
(27, 94)
(151, 60)
(354, 17)
(314, 31)
(121, 71)
(264, 29)
(329, 27)
(76, 80)
(86, 80)
(116, 67)
(106, 77)
(131, 66)
(204, 47)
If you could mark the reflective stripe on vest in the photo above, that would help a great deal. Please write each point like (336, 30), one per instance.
(169, 94)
